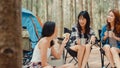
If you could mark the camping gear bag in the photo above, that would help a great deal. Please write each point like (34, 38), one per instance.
(25, 40)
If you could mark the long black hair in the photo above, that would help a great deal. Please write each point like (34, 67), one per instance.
(48, 30)
(87, 26)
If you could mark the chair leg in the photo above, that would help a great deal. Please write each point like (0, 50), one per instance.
(87, 66)
(75, 63)
(63, 54)
(66, 57)
(102, 58)
(75, 60)
(71, 60)
(107, 65)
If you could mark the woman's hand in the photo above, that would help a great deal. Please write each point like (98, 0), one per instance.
(78, 41)
(66, 35)
(106, 34)
(92, 39)
(111, 34)
(59, 53)
(115, 37)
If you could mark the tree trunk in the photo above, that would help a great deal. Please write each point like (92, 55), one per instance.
(116, 4)
(31, 6)
(81, 4)
(61, 22)
(47, 9)
(10, 34)
(27, 4)
(71, 14)
(86, 5)
(37, 5)
(75, 12)
(91, 17)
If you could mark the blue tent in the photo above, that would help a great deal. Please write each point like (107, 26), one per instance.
(30, 21)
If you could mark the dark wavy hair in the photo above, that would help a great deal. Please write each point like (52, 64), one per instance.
(48, 30)
(87, 26)
(116, 22)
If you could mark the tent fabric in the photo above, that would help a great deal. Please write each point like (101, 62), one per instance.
(28, 23)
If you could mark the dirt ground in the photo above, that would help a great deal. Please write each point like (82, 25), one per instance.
(94, 60)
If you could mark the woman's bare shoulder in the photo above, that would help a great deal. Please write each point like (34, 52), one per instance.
(43, 40)
(42, 43)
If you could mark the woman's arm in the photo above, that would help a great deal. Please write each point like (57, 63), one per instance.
(59, 53)
(43, 51)
(104, 34)
(115, 37)
(92, 39)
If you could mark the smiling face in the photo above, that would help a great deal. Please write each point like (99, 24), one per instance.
(82, 21)
(111, 17)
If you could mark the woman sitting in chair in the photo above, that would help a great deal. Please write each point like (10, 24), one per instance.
(80, 39)
(110, 37)
(45, 48)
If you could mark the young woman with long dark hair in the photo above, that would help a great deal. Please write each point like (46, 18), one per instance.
(45, 47)
(81, 38)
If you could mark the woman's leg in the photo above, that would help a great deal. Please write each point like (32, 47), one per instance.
(86, 55)
(80, 55)
(115, 52)
(80, 52)
(109, 54)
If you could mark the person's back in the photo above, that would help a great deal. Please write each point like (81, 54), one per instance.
(45, 47)
(36, 58)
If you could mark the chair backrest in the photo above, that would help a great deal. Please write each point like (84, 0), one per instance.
(66, 30)
(99, 32)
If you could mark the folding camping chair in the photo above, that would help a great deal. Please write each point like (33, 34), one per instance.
(102, 52)
(66, 30)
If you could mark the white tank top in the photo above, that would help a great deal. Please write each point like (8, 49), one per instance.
(37, 56)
